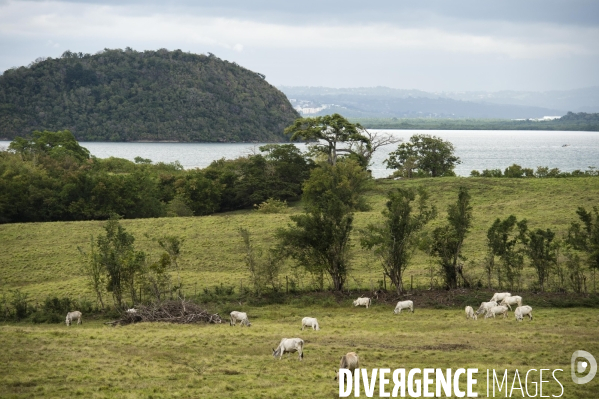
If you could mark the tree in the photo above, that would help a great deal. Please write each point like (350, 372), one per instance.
(395, 240)
(54, 144)
(333, 129)
(116, 253)
(362, 151)
(585, 237)
(429, 155)
(172, 246)
(94, 272)
(540, 248)
(502, 239)
(263, 272)
(347, 179)
(319, 239)
(448, 240)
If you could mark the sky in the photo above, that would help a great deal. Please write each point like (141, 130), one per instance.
(442, 45)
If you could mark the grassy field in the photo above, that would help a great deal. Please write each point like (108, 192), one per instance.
(42, 258)
(211, 361)
(219, 361)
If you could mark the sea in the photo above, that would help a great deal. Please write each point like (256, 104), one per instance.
(477, 150)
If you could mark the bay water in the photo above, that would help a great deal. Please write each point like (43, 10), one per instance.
(477, 150)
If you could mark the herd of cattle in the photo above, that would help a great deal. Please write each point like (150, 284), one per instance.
(498, 305)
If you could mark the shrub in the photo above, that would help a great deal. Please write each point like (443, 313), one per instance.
(272, 205)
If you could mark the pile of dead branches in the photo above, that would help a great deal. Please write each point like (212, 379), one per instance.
(180, 311)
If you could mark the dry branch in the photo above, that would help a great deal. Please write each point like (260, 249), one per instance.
(181, 312)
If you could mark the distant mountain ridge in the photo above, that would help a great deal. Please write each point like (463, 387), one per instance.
(126, 95)
(384, 102)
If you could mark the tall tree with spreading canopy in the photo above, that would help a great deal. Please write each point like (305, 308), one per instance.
(448, 240)
(428, 156)
(332, 129)
(395, 240)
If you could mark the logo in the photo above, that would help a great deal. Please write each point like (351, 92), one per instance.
(580, 366)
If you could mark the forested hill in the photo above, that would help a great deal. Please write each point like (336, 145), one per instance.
(125, 95)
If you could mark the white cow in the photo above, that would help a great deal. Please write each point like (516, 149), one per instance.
(470, 313)
(498, 296)
(76, 315)
(512, 300)
(310, 322)
(495, 310)
(132, 310)
(403, 305)
(522, 311)
(239, 316)
(289, 345)
(362, 302)
(348, 361)
(484, 306)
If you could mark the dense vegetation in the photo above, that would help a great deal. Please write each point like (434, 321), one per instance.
(51, 177)
(118, 95)
(571, 121)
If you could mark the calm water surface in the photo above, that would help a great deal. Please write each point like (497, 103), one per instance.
(489, 149)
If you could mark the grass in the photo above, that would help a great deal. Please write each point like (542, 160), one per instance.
(42, 258)
(213, 361)
(219, 361)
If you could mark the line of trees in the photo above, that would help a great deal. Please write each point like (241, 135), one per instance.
(517, 171)
(50, 177)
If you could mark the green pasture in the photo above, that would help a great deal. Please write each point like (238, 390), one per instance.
(42, 259)
(154, 360)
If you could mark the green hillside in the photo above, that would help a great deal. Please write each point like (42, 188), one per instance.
(42, 258)
(126, 95)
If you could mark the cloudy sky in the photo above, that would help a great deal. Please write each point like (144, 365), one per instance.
(459, 45)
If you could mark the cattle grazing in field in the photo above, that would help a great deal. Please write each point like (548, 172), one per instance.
(499, 296)
(289, 345)
(484, 306)
(241, 317)
(495, 310)
(403, 305)
(522, 311)
(348, 361)
(362, 302)
(76, 315)
(512, 300)
(310, 322)
(470, 313)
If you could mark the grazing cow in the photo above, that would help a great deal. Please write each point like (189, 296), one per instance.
(289, 345)
(362, 302)
(239, 316)
(498, 296)
(522, 311)
(76, 315)
(495, 310)
(348, 361)
(470, 313)
(403, 305)
(512, 300)
(310, 322)
(484, 306)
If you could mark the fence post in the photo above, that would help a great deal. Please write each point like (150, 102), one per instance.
(286, 284)
(240, 285)
(385, 281)
(412, 282)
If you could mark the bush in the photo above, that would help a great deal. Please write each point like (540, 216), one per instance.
(272, 205)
